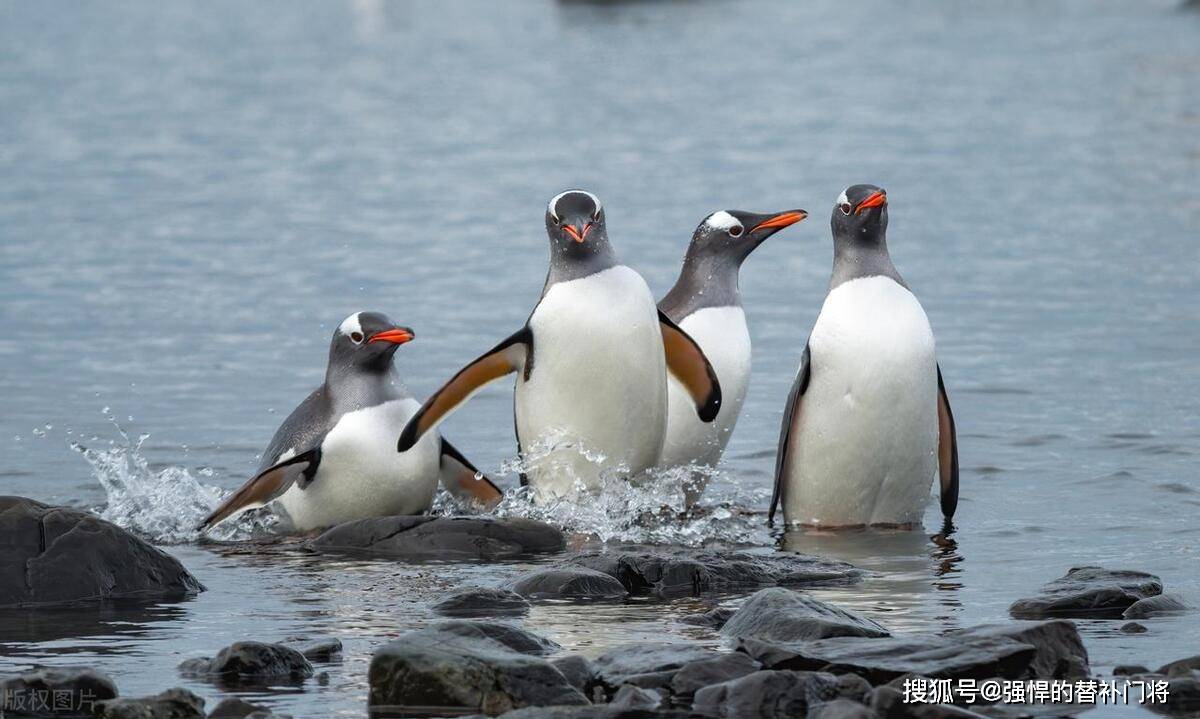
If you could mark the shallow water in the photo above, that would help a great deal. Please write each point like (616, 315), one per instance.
(193, 196)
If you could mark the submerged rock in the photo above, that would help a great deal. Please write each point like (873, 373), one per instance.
(715, 617)
(767, 694)
(234, 708)
(80, 690)
(684, 572)
(171, 704)
(61, 555)
(567, 583)
(1133, 628)
(482, 602)
(778, 614)
(426, 537)
(250, 663)
(1125, 670)
(647, 665)
(452, 668)
(321, 650)
(1089, 592)
(1155, 607)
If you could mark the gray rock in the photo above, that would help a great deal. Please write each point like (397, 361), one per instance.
(694, 676)
(567, 583)
(234, 708)
(767, 694)
(715, 617)
(1183, 696)
(459, 670)
(842, 709)
(513, 637)
(250, 663)
(1180, 667)
(578, 670)
(778, 614)
(1124, 670)
(603, 711)
(853, 687)
(171, 704)
(482, 602)
(686, 572)
(648, 665)
(58, 555)
(888, 702)
(1089, 592)
(633, 697)
(80, 690)
(1060, 651)
(426, 537)
(1157, 606)
(1133, 628)
(318, 650)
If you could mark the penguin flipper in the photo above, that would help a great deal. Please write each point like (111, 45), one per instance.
(947, 451)
(790, 412)
(509, 356)
(266, 486)
(464, 481)
(686, 362)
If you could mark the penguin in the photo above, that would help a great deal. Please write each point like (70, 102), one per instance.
(705, 303)
(333, 459)
(592, 359)
(867, 422)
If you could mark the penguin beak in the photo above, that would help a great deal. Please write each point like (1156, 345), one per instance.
(877, 199)
(578, 232)
(396, 335)
(780, 221)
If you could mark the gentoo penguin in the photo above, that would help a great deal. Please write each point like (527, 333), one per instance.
(592, 360)
(334, 458)
(706, 304)
(867, 422)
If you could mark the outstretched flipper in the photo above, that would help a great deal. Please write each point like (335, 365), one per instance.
(686, 362)
(461, 479)
(509, 356)
(947, 451)
(269, 484)
(791, 413)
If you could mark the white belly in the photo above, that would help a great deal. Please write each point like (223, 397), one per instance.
(722, 334)
(362, 475)
(863, 448)
(596, 399)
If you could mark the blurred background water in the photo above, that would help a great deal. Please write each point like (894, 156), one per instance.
(193, 195)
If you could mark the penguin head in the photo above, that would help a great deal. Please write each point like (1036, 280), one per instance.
(366, 340)
(735, 233)
(860, 214)
(575, 223)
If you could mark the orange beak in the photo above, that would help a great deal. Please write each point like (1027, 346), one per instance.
(396, 335)
(876, 200)
(781, 220)
(578, 234)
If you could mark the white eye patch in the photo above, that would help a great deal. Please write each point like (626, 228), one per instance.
(722, 221)
(350, 325)
(842, 199)
(554, 201)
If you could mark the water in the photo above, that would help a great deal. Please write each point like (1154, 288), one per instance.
(192, 196)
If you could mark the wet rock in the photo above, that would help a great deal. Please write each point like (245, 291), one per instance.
(578, 670)
(685, 572)
(767, 694)
(317, 650)
(842, 709)
(250, 663)
(650, 666)
(1133, 628)
(1180, 667)
(632, 697)
(78, 691)
(604, 711)
(778, 614)
(234, 708)
(853, 687)
(1089, 592)
(1060, 651)
(715, 617)
(888, 702)
(514, 638)
(1124, 670)
(694, 676)
(171, 704)
(1183, 695)
(567, 583)
(56, 555)
(482, 602)
(426, 537)
(464, 670)
(1157, 606)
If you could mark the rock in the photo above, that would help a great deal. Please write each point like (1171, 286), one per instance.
(1060, 651)
(766, 694)
(234, 708)
(696, 675)
(778, 614)
(649, 665)
(1133, 628)
(1155, 607)
(1183, 695)
(1089, 592)
(853, 687)
(514, 638)
(426, 537)
(171, 704)
(482, 602)
(578, 670)
(632, 697)
(250, 663)
(842, 709)
(319, 650)
(1124, 670)
(888, 702)
(692, 572)
(79, 690)
(567, 583)
(453, 668)
(57, 555)
(603, 711)
(715, 617)
(1180, 667)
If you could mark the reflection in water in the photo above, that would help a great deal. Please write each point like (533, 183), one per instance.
(115, 619)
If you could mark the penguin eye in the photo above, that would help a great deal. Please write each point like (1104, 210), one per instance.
(735, 231)
(845, 208)
(356, 337)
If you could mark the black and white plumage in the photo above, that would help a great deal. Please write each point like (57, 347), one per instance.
(334, 458)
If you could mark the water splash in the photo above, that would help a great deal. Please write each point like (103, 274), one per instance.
(165, 505)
